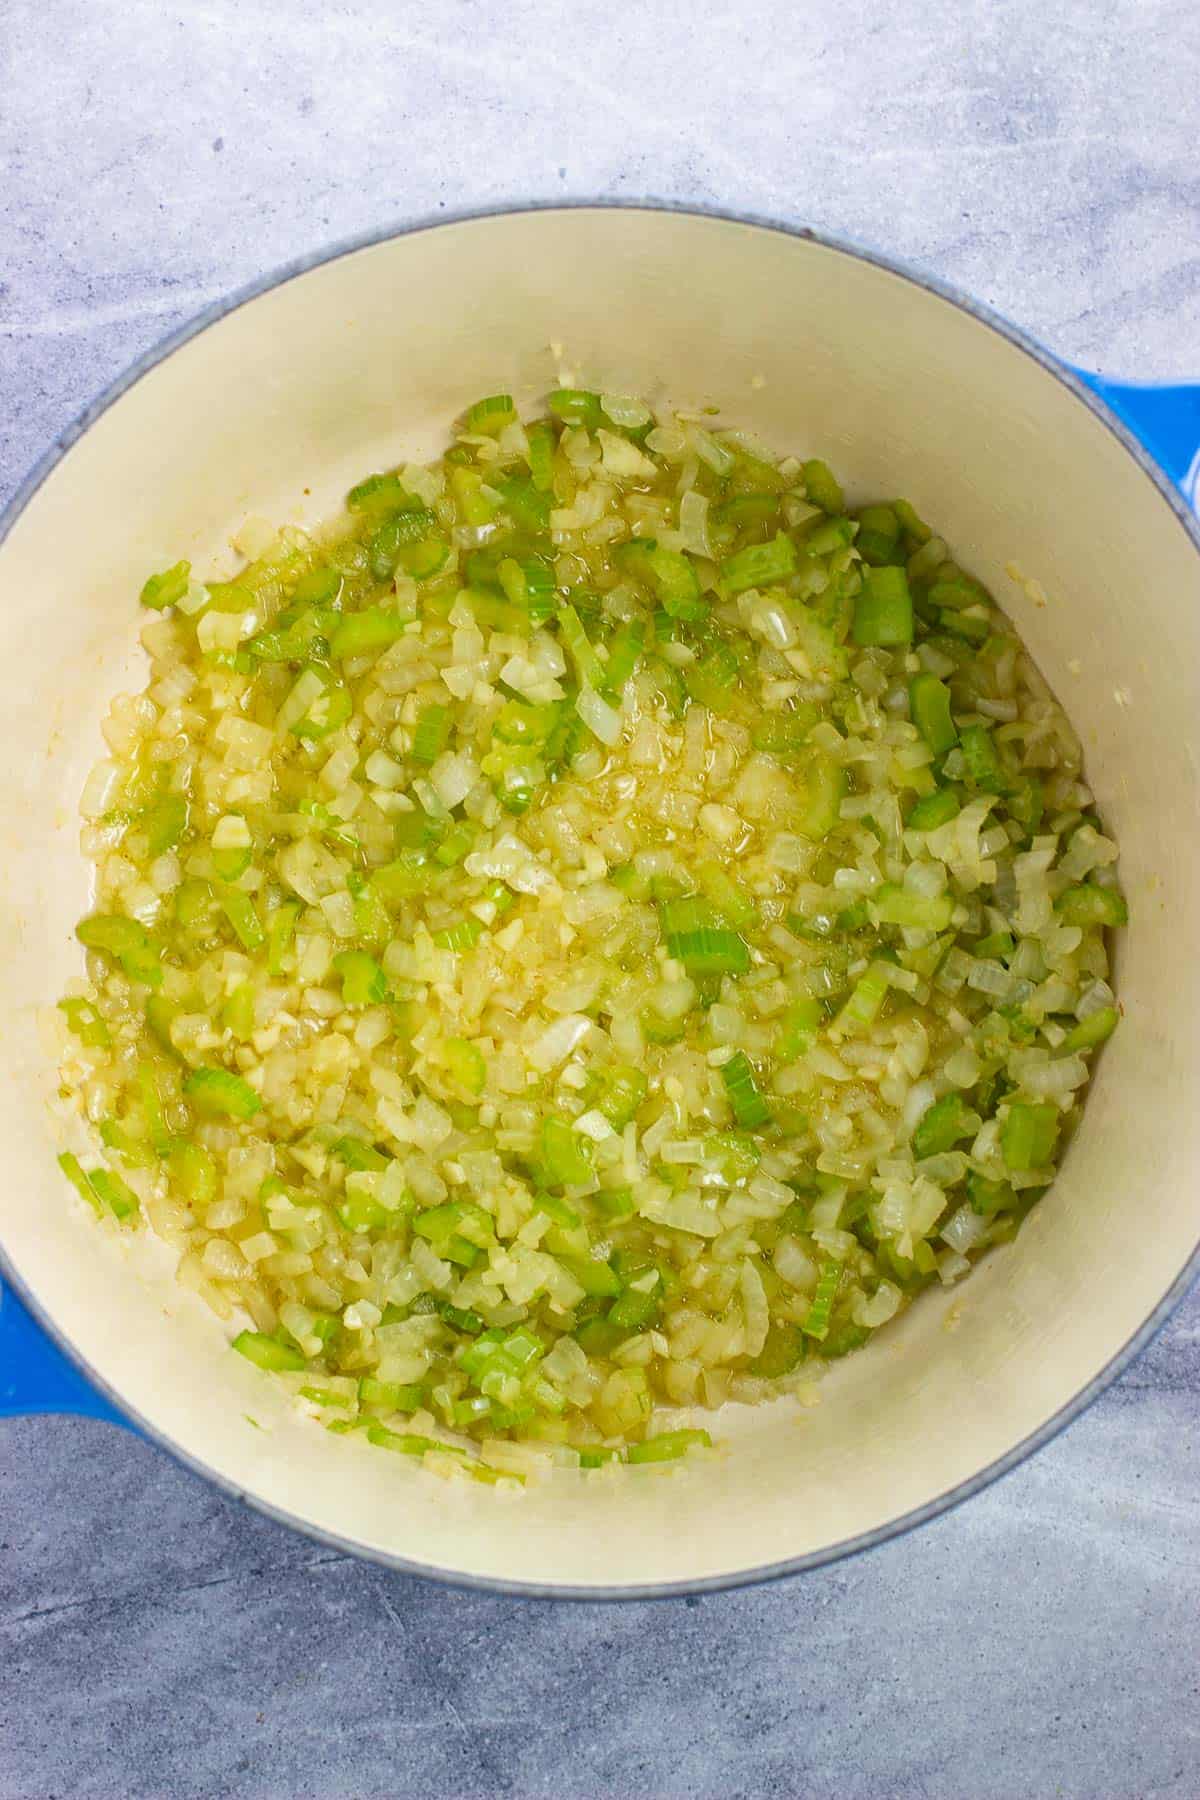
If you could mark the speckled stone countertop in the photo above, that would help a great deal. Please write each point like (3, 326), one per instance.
(157, 1640)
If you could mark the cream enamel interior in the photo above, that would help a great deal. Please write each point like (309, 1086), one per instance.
(362, 361)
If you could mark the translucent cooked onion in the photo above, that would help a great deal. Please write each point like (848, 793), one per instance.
(605, 930)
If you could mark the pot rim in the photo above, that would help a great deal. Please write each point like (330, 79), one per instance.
(1051, 366)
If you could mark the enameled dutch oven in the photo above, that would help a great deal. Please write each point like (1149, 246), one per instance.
(272, 404)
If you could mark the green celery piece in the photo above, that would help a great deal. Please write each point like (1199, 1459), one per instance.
(815, 1323)
(783, 1350)
(219, 1091)
(895, 905)
(475, 508)
(589, 669)
(759, 565)
(363, 981)
(542, 445)
(195, 1172)
(595, 1456)
(328, 713)
(942, 1125)
(430, 735)
(389, 1396)
(268, 1352)
(865, 1002)
(372, 923)
(281, 929)
(521, 722)
(988, 1197)
(824, 789)
(412, 526)
(911, 521)
(677, 583)
(127, 941)
(929, 707)
(75, 1174)
(984, 768)
(732, 903)
(563, 1152)
(465, 1062)
(596, 1278)
(86, 1023)
(932, 810)
(1029, 1135)
(423, 559)
(801, 1023)
(668, 1446)
(114, 1193)
(883, 612)
(576, 407)
(358, 633)
(749, 1108)
(624, 1090)
(168, 587)
(624, 654)
(359, 1156)
(240, 910)
(464, 934)
(379, 494)
(822, 486)
(165, 823)
(785, 733)
(634, 1309)
(490, 415)
(712, 680)
(160, 1138)
(1090, 904)
(878, 534)
(1091, 1031)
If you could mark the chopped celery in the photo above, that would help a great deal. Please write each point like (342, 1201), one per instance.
(929, 705)
(1091, 1031)
(491, 415)
(574, 639)
(883, 612)
(1029, 1135)
(942, 1125)
(357, 634)
(86, 1022)
(220, 1091)
(822, 486)
(749, 1107)
(984, 769)
(430, 735)
(1090, 904)
(167, 588)
(893, 905)
(668, 1446)
(127, 941)
(824, 790)
(70, 1166)
(759, 565)
(935, 809)
(268, 1352)
(815, 1323)
(576, 407)
(363, 981)
(566, 1160)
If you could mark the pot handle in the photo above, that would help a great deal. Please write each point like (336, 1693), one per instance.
(1166, 419)
(35, 1376)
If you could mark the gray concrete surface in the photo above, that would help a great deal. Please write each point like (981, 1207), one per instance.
(157, 1640)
